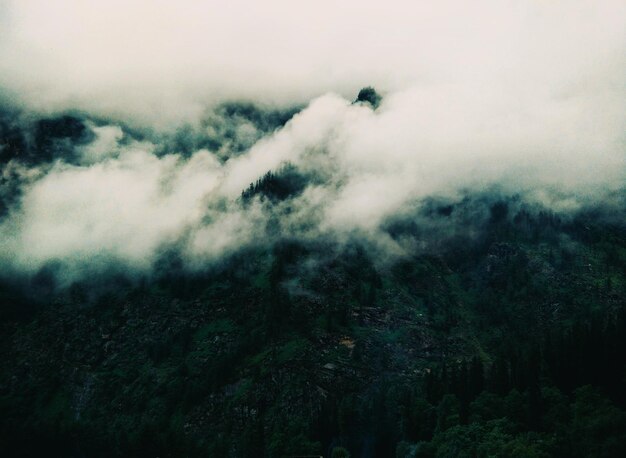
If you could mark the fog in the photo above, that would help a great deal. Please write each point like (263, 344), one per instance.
(522, 97)
(164, 61)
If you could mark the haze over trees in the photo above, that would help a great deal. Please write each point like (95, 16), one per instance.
(340, 229)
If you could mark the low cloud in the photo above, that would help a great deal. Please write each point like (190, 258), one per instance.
(159, 62)
(525, 98)
(124, 202)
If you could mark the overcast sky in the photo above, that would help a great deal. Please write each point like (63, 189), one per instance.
(171, 58)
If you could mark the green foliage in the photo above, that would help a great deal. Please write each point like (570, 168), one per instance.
(215, 327)
(506, 344)
(340, 452)
(369, 94)
(285, 183)
(598, 428)
(448, 412)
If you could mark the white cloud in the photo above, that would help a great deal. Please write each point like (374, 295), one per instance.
(166, 60)
(119, 209)
(105, 145)
(527, 96)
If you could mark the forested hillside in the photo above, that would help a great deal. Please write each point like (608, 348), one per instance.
(330, 229)
(504, 337)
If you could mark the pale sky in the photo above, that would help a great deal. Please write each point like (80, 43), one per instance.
(172, 58)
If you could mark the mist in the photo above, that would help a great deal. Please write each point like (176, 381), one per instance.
(513, 98)
(161, 62)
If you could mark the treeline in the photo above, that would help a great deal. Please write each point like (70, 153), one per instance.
(503, 345)
(561, 397)
(280, 185)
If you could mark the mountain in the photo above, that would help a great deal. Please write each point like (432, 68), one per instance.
(501, 337)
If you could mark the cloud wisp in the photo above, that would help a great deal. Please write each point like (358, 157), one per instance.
(141, 154)
(120, 200)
